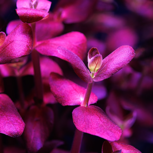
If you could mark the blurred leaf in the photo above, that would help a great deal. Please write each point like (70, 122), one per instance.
(39, 124)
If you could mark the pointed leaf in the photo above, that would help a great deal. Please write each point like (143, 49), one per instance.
(77, 64)
(114, 62)
(17, 44)
(39, 123)
(67, 92)
(94, 121)
(73, 41)
(11, 123)
(124, 147)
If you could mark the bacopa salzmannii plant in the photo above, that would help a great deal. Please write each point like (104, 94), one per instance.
(76, 76)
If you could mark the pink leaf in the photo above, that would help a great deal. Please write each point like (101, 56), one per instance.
(94, 121)
(73, 41)
(114, 62)
(125, 148)
(46, 65)
(39, 123)
(67, 92)
(13, 47)
(77, 64)
(11, 123)
(32, 11)
(50, 28)
(76, 10)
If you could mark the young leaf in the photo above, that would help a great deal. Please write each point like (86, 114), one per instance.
(11, 123)
(39, 123)
(94, 121)
(17, 44)
(114, 62)
(73, 41)
(125, 148)
(67, 92)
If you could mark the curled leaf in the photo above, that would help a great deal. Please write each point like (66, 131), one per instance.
(94, 121)
(94, 60)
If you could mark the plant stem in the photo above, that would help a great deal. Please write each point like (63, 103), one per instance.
(87, 95)
(77, 141)
(76, 146)
(37, 71)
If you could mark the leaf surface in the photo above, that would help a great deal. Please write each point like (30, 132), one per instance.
(67, 92)
(114, 62)
(17, 44)
(39, 123)
(93, 120)
(11, 123)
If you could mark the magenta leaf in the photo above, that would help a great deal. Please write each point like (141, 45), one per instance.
(76, 10)
(77, 64)
(73, 41)
(114, 62)
(125, 148)
(11, 123)
(13, 47)
(67, 92)
(39, 123)
(32, 10)
(93, 120)
(45, 69)
(51, 28)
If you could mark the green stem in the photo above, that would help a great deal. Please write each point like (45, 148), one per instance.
(37, 71)
(76, 146)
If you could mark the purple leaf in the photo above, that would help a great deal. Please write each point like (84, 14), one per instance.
(45, 69)
(73, 41)
(125, 148)
(51, 28)
(39, 123)
(11, 123)
(76, 10)
(67, 92)
(114, 62)
(32, 11)
(77, 64)
(93, 120)
(13, 47)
